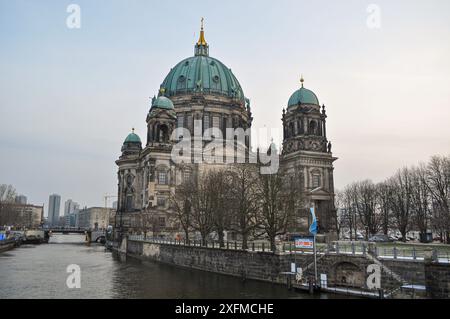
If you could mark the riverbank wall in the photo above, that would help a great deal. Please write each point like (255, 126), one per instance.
(341, 270)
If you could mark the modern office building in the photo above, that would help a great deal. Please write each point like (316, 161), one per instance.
(54, 202)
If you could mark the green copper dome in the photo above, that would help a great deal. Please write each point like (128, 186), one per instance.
(202, 74)
(132, 138)
(162, 102)
(303, 96)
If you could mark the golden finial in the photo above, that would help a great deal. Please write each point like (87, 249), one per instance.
(302, 80)
(162, 91)
(132, 130)
(201, 40)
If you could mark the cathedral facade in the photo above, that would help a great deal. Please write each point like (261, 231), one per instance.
(201, 89)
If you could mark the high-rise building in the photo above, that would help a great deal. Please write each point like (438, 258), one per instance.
(70, 208)
(21, 199)
(54, 202)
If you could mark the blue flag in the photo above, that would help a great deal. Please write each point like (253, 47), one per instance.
(313, 227)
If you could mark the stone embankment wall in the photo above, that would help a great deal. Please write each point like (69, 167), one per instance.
(342, 269)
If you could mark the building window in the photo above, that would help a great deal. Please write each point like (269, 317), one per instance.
(216, 121)
(180, 121)
(161, 202)
(313, 128)
(162, 178)
(162, 222)
(206, 126)
(316, 180)
(186, 176)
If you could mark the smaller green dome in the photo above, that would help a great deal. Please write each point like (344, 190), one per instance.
(162, 102)
(303, 96)
(132, 138)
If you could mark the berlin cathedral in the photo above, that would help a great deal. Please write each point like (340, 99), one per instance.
(202, 88)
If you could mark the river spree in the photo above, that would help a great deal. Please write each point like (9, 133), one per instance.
(39, 271)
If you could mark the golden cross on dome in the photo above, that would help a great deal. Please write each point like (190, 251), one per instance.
(201, 40)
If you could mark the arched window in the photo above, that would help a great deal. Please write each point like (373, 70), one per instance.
(313, 128)
(186, 176)
(316, 179)
(291, 129)
(299, 127)
(164, 133)
(162, 178)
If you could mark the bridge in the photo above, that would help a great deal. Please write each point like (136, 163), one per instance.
(93, 235)
(68, 230)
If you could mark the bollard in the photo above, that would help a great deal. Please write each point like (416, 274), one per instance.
(290, 247)
(253, 246)
(394, 251)
(235, 245)
(364, 249)
(228, 245)
(353, 248)
(263, 247)
(414, 253)
(337, 248)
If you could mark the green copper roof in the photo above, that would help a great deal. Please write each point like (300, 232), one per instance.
(132, 138)
(163, 102)
(303, 96)
(202, 74)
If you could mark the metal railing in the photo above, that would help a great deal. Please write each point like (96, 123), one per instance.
(414, 253)
(230, 245)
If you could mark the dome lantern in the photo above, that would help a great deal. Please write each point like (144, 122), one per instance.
(201, 47)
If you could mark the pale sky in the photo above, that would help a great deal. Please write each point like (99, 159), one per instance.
(69, 97)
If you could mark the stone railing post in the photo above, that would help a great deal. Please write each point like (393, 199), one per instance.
(337, 247)
(394, 252)
(353, 248)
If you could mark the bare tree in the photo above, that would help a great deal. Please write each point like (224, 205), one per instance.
(365, 202)
(219, 188)
(277, 194)
(401, 200)
(349, 212)
(438, 181)
(384, 197)
(202, 205)
(244, 205)
(7, 213)
(180, 201)
(420, 197)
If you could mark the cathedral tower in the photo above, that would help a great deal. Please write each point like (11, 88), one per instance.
(307, 151)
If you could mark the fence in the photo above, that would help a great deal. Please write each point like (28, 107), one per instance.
(413, 252)
(349, 248)
(231, 245)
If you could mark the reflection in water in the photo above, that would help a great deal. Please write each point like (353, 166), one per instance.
(40, 272)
